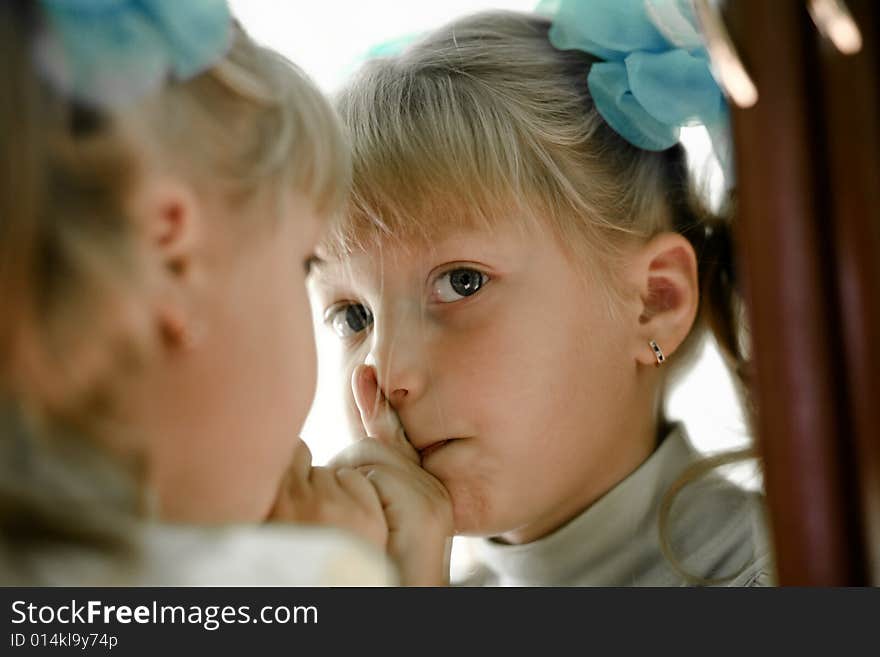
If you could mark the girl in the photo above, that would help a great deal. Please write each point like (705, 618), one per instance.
(522, 269)
(156, 354)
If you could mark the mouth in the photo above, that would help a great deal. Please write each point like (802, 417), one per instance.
(426, 451)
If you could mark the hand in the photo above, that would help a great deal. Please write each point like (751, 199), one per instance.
(338, 497)
(417, 507)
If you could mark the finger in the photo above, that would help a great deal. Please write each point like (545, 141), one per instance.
(369, 452)
(356, 485)
(377, 416)
(296, 476)
(324, 481)
(379, 419)
(400, 494)
(301, 462)
(294, 483)
(390, 488)
(419, 528)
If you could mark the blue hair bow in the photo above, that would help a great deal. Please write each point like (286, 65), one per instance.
(111, 52)
(655, 76)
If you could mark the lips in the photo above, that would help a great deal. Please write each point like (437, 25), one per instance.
(425, 452)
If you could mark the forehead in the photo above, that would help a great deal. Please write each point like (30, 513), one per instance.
(504, 242)
(405, 220)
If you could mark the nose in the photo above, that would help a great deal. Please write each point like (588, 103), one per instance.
(398, 354)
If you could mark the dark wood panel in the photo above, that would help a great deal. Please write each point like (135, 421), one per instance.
(852, 107)
(786, 206)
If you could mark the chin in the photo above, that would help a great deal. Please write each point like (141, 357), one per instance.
(471, 511)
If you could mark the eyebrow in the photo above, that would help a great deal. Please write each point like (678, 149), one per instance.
(322, 274)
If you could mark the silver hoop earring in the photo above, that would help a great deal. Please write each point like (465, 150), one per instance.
(658, 353)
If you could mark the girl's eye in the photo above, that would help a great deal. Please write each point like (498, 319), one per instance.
(457, 284)
(349, 319)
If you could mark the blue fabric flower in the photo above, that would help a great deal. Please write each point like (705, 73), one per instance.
(655, 76)
(112, 52)
(392, 47)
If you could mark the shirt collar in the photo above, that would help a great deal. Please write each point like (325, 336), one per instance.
(616, 538)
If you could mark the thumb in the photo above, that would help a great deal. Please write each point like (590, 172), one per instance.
(379, 419)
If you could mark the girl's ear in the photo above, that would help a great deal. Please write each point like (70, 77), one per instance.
(173, 224)
(169, 216)
(665, 271)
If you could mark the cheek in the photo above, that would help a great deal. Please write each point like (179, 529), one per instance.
(303, 357)
(282, 347)
(503, 362)
(527, 383)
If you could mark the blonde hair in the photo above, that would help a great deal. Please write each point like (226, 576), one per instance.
(254, 123)
(484, 121)
(252, 126)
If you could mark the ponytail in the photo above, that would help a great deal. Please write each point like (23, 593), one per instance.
(720, 312)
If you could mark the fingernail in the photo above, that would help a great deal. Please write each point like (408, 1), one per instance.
(365, 389)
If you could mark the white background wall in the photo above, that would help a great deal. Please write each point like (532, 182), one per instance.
(327, 39)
